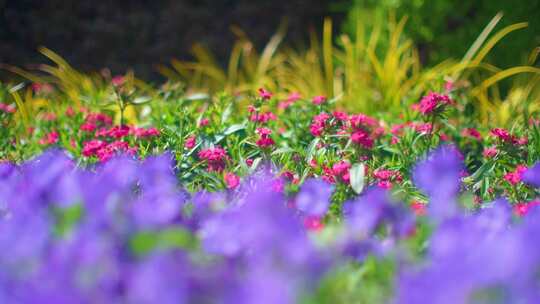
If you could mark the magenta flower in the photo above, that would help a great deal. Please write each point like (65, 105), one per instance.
(231, 180)
(190, 142)
(515, 176)
(428, 104)
(49, 139)
(215, 158)
(362, 138)
(265, 140)
(264, 94)
(317, 100)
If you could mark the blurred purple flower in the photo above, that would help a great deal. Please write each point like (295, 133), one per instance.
(314, 197)
(439, 177)
(532, 175)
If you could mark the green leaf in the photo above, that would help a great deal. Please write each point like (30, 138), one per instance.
(176, 237)
(234, 128)
(197, 96)
(283, 150)
(311, 149)
(226, 113)
(16, 87)
(141, 100)
(357, 177)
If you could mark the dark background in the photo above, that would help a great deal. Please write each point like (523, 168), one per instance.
(137, 34)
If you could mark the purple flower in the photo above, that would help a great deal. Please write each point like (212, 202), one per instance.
(439, 177)
(314, 197)
(532, 175)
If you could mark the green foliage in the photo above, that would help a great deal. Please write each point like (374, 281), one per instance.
(443, 28)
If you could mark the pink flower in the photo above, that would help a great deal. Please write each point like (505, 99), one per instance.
(383, 174)
(291, 99)
(70, 112)
(444, 137)
(49, 139)
(91, 147)
(340, 168)
(118, 80)
(515, 176)
(432, 101)
(471, 132)
(7, 108)
(384, 184)
(264, 140)
(190, 142)
(249, 162)
(521, 209)
(313, 223)
(42, 88)
(98, 117)
(423, 128)
(490, 152)
(214, 157)
(362, 138)
(204, 122)
(264, 94)
(49, 117)
(319, 123)
(362, 120)
(502, 134)
(341, 116)
(262, 117)
(317, 100)
(141, 132)
(118, 131)
(418, 208)
(88, 127)
(521, 141)
(231, 180)
(448, 86)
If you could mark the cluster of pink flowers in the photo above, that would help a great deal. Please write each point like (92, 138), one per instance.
(386, 177)
(100, 125)
(264, 140)
(364, 130)
(506, 137)
(291, 99)
(318, 124)
(419, 127)
(7, 108)
(318, 100)
(104, 151)
(471, 132)
(49, 138)
(514, 177)
(431, 102)
(262, 117)
(215, 158)
(94, 121)
(338, 172)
